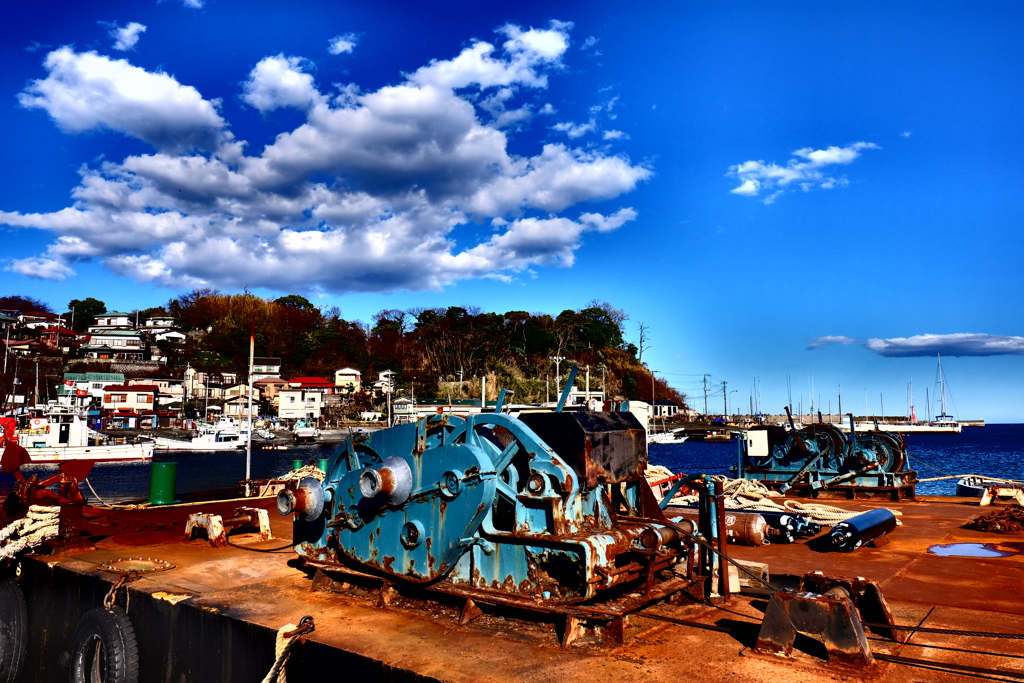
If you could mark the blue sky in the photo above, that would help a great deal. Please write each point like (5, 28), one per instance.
(796, 196)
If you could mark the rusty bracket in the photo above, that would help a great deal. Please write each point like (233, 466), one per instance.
(832, 619)
(216, 527)
(1009, 491)
(865, 594)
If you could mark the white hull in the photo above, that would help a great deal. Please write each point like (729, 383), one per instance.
(115, 452)
(903, 428)
(164, 444)
(666, 438)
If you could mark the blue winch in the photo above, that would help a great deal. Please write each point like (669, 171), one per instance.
(548, 508)
(820, 460)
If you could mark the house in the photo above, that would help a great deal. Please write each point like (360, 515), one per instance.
(265, 367)
(87, 386)
(662, 408)
(347, 380)
(299, 404)
(270, 387)
(208, 381)
(236, 400)
(112, 321)
(115, 344)
(385, 381)
(61, 338)
(134, 397)
(171, 390)
(35, 320)
(311, 384)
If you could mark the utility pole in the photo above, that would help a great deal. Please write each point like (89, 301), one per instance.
(725, 399)
(706, 394)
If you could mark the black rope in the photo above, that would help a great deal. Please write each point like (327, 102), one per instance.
(259, 550)
(947, 666)
(948, 631)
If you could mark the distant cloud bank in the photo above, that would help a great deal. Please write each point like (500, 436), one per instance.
(769, 181)
(818, 342)
(364, 195)
(962, 344)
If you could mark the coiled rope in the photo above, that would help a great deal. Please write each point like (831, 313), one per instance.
(41, 522)
(753, 496)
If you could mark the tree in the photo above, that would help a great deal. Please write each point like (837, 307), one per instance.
(295, 301)
(24, 304)
(84, 312)
(642, 346)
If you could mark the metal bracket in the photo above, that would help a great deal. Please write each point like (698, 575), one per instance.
(216, 526)
(829, 618)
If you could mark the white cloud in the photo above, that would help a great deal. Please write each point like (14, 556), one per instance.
(87, 91)
(805, 172)
(41, 267)
(364, 195)
(819, 342)
(614, 135)
(342, 44)
(125, 37)
(280, 81)
(194, 4)
(960, 344)
(575, 130)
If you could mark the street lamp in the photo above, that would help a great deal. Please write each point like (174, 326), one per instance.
(558, 375)
(730, 395)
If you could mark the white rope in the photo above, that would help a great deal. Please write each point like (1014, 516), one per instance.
(753, 496)
(41, 522)
(302, 473)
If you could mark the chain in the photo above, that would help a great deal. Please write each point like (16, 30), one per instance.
(111, 597)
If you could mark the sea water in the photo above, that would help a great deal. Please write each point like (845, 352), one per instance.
(994, 450)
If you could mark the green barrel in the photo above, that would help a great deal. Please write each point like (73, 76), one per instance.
(322, 464)
(163, 477)
(296, 464)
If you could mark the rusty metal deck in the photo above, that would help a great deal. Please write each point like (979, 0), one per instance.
(213, 617)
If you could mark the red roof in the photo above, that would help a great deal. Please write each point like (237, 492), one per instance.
(132, 387)
(311, 382)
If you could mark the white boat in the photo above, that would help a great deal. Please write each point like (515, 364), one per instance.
(676, 436)
(222, 436)
(907, 428)
(305, 432)
(55, 433)
(975, 486)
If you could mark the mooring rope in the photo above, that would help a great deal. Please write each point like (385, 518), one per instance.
(286, 638)
(41, 522)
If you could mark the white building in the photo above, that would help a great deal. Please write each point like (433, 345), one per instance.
(296, 404)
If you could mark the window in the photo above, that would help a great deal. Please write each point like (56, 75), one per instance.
(115, 398)
(97, 385)
(143, 398)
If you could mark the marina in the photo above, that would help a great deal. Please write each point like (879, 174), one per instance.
(240, 595)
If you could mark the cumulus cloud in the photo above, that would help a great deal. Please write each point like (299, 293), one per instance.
(364, 195)
(807, 172)
(343, 44)
(41, 267)
(818, 342)
(87, 91)
(280, 81)
(125, 37)
(960, 344)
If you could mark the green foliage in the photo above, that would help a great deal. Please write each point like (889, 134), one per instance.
(422, 346)
(85, 312)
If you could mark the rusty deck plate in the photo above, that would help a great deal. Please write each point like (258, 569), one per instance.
(255, 593)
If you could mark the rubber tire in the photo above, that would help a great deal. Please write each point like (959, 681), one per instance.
(13, 630)
(110, 634)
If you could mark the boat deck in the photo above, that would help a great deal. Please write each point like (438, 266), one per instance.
(213, 617)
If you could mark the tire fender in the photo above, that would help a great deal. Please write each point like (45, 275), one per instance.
(111, 633)
(13, 630)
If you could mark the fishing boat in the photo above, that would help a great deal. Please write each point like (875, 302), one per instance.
(305, 432)
(54, 433)
(674, 436)
(221, 436)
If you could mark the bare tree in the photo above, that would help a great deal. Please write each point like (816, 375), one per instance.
(645, 337)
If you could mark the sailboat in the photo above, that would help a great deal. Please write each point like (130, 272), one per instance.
(942, 419)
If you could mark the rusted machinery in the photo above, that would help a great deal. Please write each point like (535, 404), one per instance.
(548, 511)
(820, 460)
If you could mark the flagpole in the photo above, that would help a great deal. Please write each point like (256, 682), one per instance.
(248, 433)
